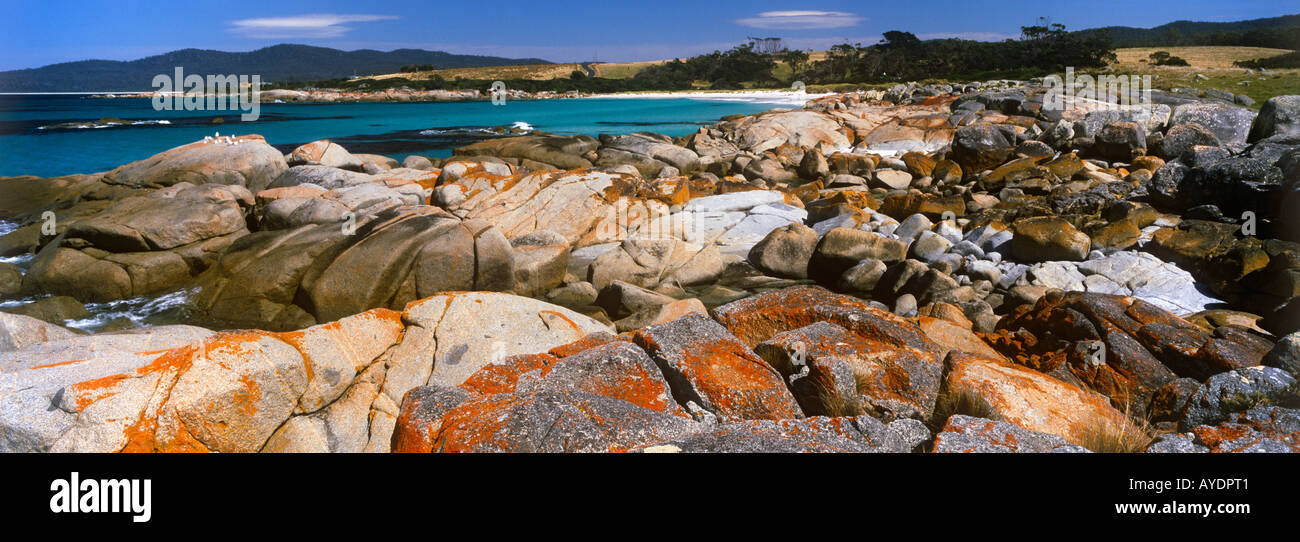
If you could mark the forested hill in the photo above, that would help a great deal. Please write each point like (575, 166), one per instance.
(274, 64)
(1275, 32)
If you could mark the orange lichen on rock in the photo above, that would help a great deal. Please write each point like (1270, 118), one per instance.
(503, 377)
(709, 366)
(1032, 399)
(757, 318)
(590, 341)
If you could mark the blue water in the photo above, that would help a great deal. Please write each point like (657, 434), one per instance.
(392, 129)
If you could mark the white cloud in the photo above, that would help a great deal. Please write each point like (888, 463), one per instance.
(800, 20)
(323, 25)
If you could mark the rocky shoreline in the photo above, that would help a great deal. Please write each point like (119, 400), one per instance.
(937, 268)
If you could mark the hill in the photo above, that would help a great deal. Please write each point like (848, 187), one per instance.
(1275, 32)
(274, 64)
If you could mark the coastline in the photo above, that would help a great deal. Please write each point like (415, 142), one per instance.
(783, 97)
(775, 97)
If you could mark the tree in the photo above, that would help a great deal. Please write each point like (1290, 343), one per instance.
(797, 60)
(1173, 36)
(899, 39)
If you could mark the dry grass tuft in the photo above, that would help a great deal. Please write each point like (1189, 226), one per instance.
(1125, 437)
(1112, 438)
(961, 401)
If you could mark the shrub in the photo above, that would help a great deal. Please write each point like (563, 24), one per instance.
(1163, 58)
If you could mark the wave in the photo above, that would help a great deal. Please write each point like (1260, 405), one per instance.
(21, 260)
(8, 303)
(514, 128)
(103, 123)
(459, 131)
(140, 311)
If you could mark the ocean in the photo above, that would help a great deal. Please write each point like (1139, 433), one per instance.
(32, 143)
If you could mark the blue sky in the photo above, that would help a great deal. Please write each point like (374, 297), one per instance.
(34, 33)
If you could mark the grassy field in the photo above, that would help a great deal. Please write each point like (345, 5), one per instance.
(1198, 57)
(622, 70)
(1215, 64)
(531, 71)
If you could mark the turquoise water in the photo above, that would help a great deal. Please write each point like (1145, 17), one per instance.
(392, 129)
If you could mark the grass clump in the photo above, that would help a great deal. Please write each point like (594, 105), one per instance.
(962, 401)
(1116, 438)
(1107, 436)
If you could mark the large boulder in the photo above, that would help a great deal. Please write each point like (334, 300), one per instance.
(18, 332)
(1264, 429)
(1049, 238)
(795, 128)
(582, 206)
(291, 278)
(785, 251)
(1236, 391)
(1183, 137)
(27, 195)
(142, 245)
(708, 368)
(247, 161)
(564, 152)
(1122, 347)
(649, 152)
(334, 387)
(760, 317)
(1229, 123)
(540, 260)
(1031, 399)
(649, 262)
(326, 177)
(860, 434)
(1121, 141)
(981, 146)
(1280, 115)
(831, 369)
(842, 248)
(324, 153)
(966, 434)
(230, 392)
(549, 422)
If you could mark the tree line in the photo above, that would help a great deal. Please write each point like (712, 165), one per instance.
(900, 56)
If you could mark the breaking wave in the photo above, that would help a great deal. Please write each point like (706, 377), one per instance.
(95, 125)
(140, 311)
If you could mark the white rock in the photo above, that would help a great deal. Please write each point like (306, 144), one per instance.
(735, 201)
(785, 210)
(913, 226)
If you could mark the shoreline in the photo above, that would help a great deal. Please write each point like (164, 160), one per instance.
(775, 97)
(749, 96)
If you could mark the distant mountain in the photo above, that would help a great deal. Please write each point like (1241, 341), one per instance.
(274, 64)
(1278, 32)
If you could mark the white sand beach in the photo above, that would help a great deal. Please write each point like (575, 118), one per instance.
(775, 97)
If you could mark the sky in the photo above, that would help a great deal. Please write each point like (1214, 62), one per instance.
(34, 33)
